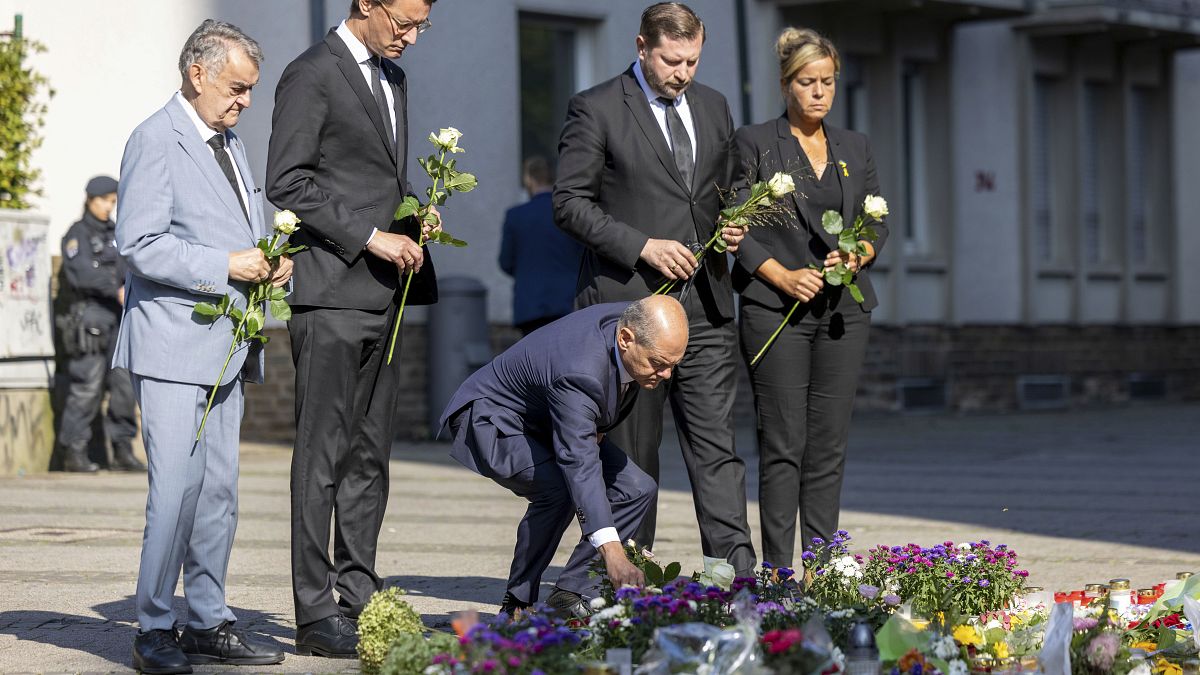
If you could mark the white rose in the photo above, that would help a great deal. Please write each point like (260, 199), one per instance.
(598, 603)
(875, 206)
(781, 184)
(286, 222)
(723, 574)
(447, 139)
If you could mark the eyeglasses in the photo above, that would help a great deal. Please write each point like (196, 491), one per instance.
(405, 26)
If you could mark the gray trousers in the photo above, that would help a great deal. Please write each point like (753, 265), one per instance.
(191, 508)
(803, 396)
(701, 392)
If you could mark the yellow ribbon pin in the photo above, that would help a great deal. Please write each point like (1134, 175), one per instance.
(845, 171)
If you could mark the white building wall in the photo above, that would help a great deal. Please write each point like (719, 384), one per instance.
(985, 137)
(1186, 151)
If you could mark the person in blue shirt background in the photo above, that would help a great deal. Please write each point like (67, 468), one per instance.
(542, 260)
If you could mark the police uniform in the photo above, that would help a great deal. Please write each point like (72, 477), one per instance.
(94, 274)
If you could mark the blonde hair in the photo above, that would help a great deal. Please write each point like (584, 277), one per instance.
(798, 47)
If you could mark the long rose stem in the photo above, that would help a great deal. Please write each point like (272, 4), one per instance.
(699, 255)
(399, 316)
(404, 297)
(774, 335)
(213, 395)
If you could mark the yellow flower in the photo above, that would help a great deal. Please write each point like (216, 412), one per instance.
(1000, 649)
(967, 635)
(1165, 667)
(1144, 646)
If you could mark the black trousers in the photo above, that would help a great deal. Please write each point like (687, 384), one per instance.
(803, 396)
(89, 378)
(701, 392)
(345, 400)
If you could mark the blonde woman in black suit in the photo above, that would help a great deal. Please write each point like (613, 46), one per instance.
(804, 385)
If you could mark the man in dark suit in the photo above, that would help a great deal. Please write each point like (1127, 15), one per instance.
(337, 159)
(642, 161)
(534, 421)
(541, 259)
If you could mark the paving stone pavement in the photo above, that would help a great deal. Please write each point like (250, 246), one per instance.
(1082, 496)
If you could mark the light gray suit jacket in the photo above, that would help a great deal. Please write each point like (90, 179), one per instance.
(179, 221)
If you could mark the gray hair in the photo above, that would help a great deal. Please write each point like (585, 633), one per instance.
(209, 46)
(639, 318)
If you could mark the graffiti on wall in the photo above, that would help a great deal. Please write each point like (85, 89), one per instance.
(24, 289)
(25, 432)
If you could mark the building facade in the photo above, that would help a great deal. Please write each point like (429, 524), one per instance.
(1039, 156)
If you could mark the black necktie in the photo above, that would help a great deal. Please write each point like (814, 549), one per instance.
(681, 143)
(380, 98)
(217, 143)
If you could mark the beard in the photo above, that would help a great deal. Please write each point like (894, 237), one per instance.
(670, 89)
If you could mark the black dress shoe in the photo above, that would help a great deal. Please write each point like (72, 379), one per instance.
(223, 644)
(157, 652)
(334, 637)
(568, 605)
(511, 606)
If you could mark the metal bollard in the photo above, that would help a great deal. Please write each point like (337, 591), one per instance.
(459, 343)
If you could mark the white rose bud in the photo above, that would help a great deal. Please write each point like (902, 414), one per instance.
(875, 206)
(447, 139)
(781, 184)
(286, 222)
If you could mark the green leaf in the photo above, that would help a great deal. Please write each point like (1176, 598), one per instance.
(277, 293)
(280, 309)
(264, 245)
(254, 320)
(832, 222)
(672, 572)
(408, 207)
(206, 309)
(225, 304)
(869, 233)
(439, 198)
(654, 573)
(847, 278)
(235, 313)
(294, 249)
(719, 245)
(445, 238)
(847, 245)
(461, 181)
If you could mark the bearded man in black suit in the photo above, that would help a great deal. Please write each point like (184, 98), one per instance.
(337, 158)
(642, 163)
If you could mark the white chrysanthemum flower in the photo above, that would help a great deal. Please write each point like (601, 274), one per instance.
(945, 647)
(875, 206)
(958, 667)
(286, 222)
(781, 184)
(598, 603)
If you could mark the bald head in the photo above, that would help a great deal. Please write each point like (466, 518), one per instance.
(652, 336)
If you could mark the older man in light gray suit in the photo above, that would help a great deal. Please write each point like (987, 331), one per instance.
(190, 219)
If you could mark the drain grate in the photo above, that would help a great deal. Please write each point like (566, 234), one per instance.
(58, 535)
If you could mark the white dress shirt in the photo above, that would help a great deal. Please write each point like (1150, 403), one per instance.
(206, 132)
(362, 55)
(606, 534)
(660, 109)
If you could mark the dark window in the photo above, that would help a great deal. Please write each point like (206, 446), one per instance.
(548, 80)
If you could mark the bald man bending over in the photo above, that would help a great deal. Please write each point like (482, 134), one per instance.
(533, 420)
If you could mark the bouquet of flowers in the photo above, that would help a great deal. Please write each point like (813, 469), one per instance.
(631, 619)
(760, 208)
(447, 179)
(532, 645)
(248, 322)
(965, 579)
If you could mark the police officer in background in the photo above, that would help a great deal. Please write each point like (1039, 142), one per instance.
(95, 279)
